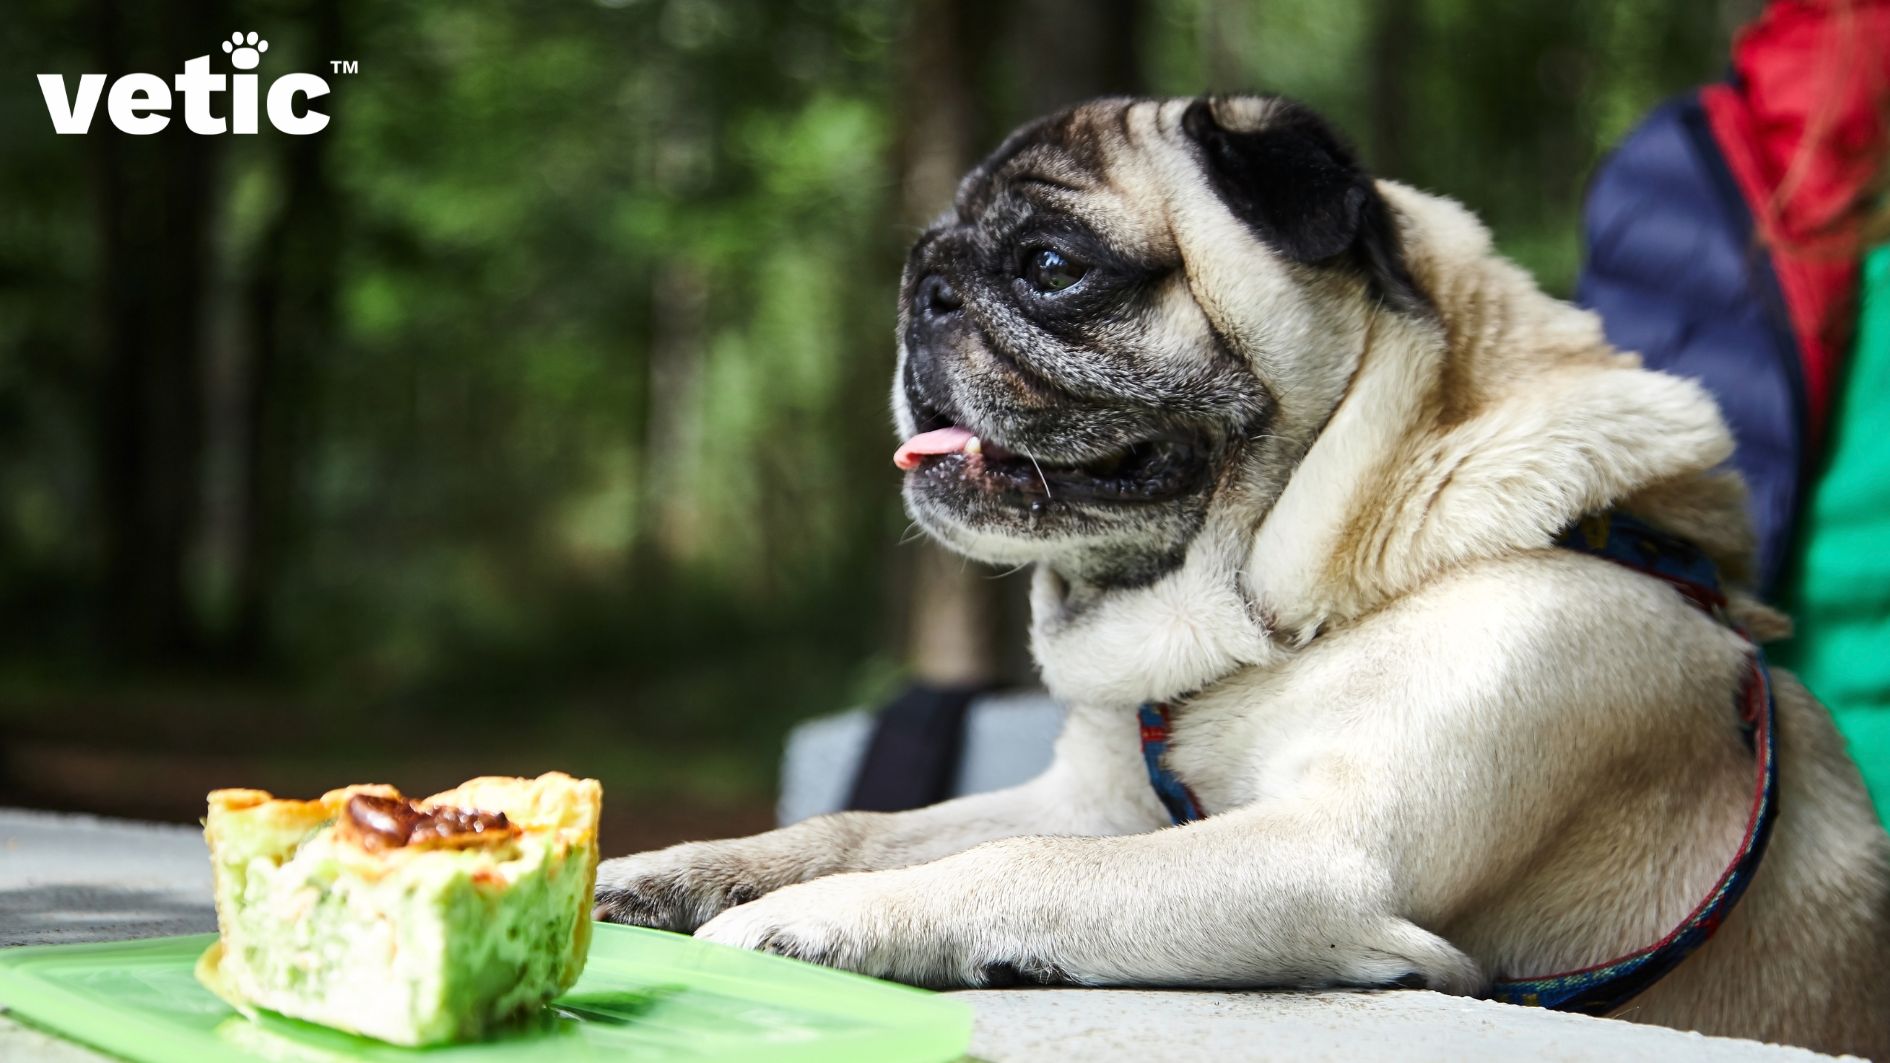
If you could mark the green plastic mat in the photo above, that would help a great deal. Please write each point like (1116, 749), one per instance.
(645, 995)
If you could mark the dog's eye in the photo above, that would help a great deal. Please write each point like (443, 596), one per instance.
(1048, 271)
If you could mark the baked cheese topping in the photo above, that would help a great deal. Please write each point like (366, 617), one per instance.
(375, 822)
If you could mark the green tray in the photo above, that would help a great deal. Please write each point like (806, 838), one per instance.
(645, 995)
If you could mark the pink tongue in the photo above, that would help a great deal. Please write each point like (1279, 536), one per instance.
(941, 441)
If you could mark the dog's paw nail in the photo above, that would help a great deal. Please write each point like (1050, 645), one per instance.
(673, 890)
(780, 941)
(622, 906)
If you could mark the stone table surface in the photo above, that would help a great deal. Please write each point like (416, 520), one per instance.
(78, 878)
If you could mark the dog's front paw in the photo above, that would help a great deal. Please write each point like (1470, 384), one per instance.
(884, 923)
(678, 888)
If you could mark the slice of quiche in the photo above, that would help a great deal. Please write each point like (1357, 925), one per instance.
(416, 922)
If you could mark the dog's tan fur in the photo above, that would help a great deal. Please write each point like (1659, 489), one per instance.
(1431, 743)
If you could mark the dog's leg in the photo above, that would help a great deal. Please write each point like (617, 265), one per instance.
(1094, 786)
(1254, 897)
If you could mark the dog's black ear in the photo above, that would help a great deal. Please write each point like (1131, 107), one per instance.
(1297, 186)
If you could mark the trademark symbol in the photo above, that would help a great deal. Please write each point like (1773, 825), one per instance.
(343, 66)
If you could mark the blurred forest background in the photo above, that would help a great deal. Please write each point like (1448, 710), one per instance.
(533, 415)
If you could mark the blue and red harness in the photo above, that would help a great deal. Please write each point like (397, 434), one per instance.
(1604, 987)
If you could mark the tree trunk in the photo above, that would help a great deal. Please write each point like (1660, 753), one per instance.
(154, 210)
(1396, 32)
(962, 629)
(679, 332)
(1069, 51)
(953, 606)
(292, 329)
(1224, 30)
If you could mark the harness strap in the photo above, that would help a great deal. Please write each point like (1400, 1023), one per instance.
(1175, 794)
(1604, 987)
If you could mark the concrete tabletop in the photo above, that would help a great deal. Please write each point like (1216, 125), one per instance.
(78, 878)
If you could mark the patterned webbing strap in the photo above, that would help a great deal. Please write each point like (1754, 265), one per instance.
(1603, 988)
(1175, 795)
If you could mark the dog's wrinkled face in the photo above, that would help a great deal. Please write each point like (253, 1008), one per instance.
(1134, 309)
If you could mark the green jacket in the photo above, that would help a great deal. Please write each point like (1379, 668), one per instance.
(1839, 593)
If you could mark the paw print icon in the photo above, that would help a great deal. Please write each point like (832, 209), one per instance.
(245, 50)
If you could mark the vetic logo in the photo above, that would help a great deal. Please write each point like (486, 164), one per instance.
(137, 103)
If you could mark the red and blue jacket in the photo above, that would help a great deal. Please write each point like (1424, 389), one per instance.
(1722, 244)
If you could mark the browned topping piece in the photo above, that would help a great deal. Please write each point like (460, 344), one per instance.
(393, 822)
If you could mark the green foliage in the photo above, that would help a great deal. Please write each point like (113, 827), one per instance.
(594, 420)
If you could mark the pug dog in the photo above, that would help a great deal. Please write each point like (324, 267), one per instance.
(1290, 450)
